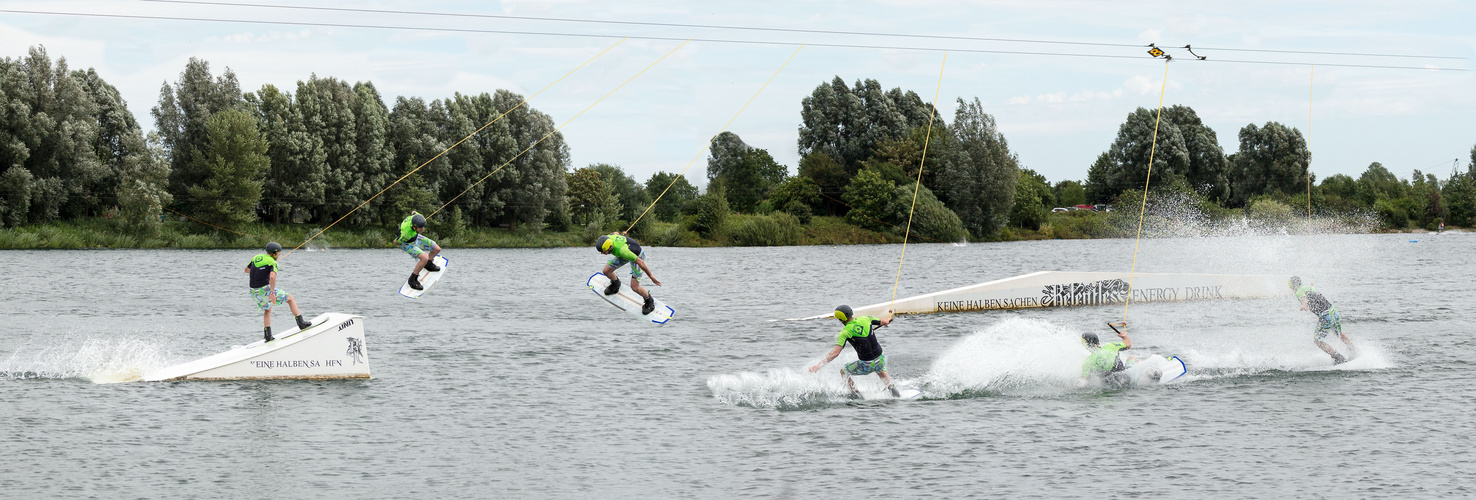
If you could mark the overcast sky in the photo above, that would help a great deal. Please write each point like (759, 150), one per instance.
(1057, 111)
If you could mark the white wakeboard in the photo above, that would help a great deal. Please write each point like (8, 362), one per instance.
(629, 301)
(1153, 371)
(427, 279)
(905, 393)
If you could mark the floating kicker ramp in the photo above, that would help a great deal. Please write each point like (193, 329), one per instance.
(1068, 289)
(332, 348)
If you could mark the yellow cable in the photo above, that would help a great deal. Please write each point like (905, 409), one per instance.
(555, 131)
(1144, 208)
(458, 143)
(709, 141)
(918, 186)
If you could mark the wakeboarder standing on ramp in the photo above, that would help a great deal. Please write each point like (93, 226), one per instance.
(263, 271)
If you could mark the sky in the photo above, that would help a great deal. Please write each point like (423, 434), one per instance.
(1059, 77)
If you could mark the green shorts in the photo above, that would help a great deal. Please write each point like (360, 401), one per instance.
(859, 367)
(263, 297)
(1329, 322)
(418, 246)
(635, 270)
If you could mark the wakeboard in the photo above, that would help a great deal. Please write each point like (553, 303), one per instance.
(629, 301)
(427, 279)
(906, 393)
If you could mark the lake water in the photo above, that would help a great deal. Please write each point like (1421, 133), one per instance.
(510, 380)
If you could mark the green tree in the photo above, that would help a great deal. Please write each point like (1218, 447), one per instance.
(628, 192)
(295, 180)
(678, 192)
(1460, 195)
(15, 207)
(848, 123)
(869, 194)
(182, 121)
(591, 199)
(327, 107)
(143, 188)
(1033, 199)
(413, 138)
(830, 176)
(1378, 183)
(236, 164)
(51, 130)
(1070, 193)
(747, 173)
(374, 156)
(980, 175)
(1272, 159)
(1127, 159)
(1207, 170)
(796, 190)
(1340, 194)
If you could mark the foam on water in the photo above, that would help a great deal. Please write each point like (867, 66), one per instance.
(102, 361)
(1016, 356)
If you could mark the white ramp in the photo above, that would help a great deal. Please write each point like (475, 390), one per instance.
(1066, 289)
(333, 347)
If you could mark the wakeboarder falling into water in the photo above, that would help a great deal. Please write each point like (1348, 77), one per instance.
(1104, 361)
(1328, 320)
(860, 331)
(263, 271)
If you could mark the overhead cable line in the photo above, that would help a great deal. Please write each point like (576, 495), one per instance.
(665, 38)
(708, 144)
(648, 23)
(760, 28)
(458, 143)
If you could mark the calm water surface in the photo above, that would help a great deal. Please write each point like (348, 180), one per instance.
(509, 380)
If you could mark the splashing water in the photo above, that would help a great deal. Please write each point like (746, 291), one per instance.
(102, 361)
(1179, 214)
(1016, 356)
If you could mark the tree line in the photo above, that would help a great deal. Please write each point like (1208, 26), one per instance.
(69, 148)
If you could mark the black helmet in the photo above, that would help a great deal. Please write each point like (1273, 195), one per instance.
(1294, 282)
(600, 243)
(274, 247)
(844, 313)
(1090, 339)
(417, 220)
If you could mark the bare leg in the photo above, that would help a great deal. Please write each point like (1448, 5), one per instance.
(292, 303)
(266, 318)
(420, 263)
(850, 384)
(433, 253)
(885, 378)
(610, 273)
(1348, 342)
(1326, 347)
(635, 284)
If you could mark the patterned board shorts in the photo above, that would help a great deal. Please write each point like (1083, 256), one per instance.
(635, 271)
(859, 367)
(1328, 323)
(263, 297)
(418, 246)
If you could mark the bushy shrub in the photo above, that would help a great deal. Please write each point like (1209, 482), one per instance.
(800, 211)
(767, 230)
(710, 214)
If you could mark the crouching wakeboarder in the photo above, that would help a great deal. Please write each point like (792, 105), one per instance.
(1328, 320)
(860, 331)
(623, 250)
(1104, 361)
(420, 248)
(263, 271)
